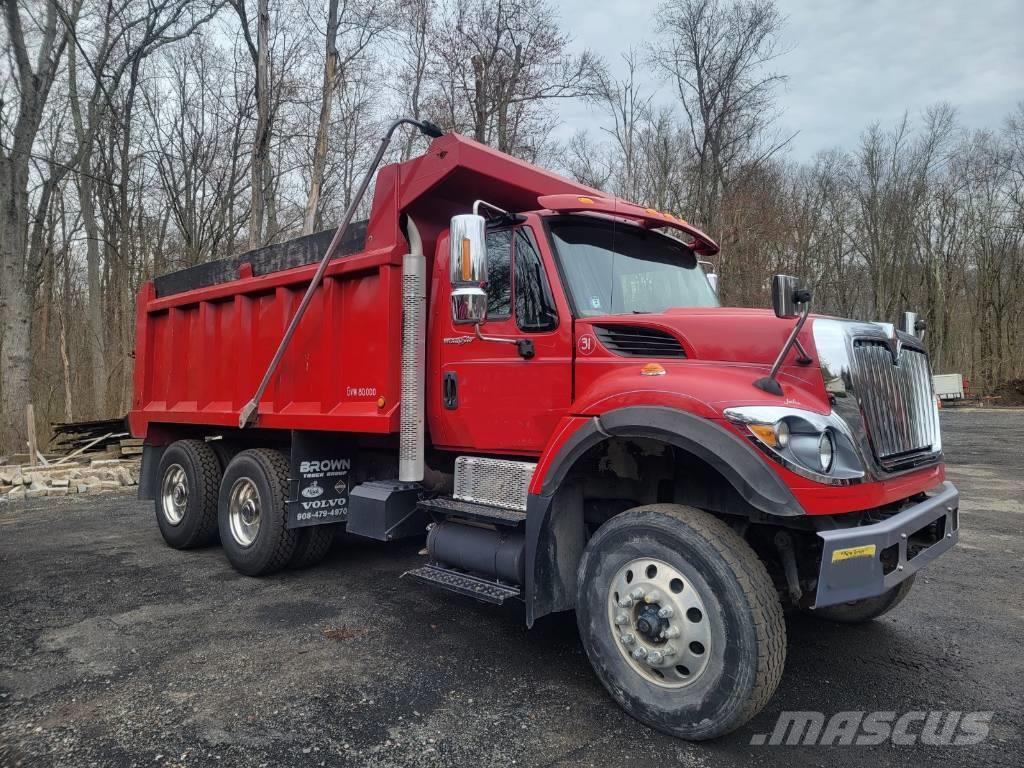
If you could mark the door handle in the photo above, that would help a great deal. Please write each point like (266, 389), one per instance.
(450, 391)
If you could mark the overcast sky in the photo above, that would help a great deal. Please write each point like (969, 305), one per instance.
(852, 62)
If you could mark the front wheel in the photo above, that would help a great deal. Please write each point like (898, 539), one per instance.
(680, 620)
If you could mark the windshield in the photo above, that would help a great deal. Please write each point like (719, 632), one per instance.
(614, 268)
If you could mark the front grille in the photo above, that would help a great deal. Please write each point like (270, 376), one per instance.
(638, 341)
(896, 400)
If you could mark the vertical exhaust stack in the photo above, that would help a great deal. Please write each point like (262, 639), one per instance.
(414, 301)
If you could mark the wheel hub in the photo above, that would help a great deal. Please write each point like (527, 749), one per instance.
(174, 494)
(244, 512)
(659, 622)
(650, 625)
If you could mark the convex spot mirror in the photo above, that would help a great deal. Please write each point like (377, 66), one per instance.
(468, 268)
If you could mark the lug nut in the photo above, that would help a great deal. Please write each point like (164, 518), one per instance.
(655, 657)
(637, 594)
(626, 602)
(666, 612)
(628, 639)
(653, 596)
(639, 654)
(621, 619)
(668, 651)
(671, 632)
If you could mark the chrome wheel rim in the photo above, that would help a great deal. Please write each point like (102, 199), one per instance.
(244, 511)
(174, 494)
(659, 624)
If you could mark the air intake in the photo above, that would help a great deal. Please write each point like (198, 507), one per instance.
(638, 341)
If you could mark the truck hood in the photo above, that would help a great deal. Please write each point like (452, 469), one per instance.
(725, 334)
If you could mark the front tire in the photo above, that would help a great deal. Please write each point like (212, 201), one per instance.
(186, 502)
(696, 646)
(252, 513)
(863, 611)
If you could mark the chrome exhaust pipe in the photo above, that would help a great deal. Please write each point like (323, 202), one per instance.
(414, 303)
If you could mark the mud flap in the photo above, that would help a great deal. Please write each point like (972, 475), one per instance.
(319, 476)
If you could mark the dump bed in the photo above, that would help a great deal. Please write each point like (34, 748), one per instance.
(205, 336)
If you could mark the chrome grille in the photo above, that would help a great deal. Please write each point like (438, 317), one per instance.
(497, 482)
(897, 400)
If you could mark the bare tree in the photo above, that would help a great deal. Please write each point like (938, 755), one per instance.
(715, 56)
(498, 64)
(359, 24)
(20, 128)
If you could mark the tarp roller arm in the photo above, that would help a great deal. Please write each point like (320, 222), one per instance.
(250, 411)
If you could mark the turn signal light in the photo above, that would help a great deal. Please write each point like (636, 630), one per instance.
(467, 264)
(586, 200)
(652, 369)
(765, 433)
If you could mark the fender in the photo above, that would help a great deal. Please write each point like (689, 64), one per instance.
(553, 546)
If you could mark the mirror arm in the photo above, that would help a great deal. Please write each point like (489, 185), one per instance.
(802, 357)
(525, 346)
(769, 383)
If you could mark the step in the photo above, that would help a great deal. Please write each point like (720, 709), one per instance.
(471, 510)
(463, 584)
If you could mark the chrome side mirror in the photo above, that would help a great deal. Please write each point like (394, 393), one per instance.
(467, 264)
(912, 325)
(786, 294)
(709, 273)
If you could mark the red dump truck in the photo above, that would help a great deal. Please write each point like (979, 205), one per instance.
(538, 378)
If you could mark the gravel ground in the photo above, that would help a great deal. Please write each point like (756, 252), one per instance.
(118, 651)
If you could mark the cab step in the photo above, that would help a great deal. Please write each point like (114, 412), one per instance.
(463, 584)
(471, 510)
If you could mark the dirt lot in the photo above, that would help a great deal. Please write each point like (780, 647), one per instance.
(117, 651)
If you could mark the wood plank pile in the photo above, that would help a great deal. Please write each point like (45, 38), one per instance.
(83, 457)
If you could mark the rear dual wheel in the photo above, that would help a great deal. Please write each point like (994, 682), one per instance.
(186, 501)
(244, 503)
(253, 517)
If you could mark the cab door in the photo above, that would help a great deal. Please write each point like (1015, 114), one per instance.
(492, 396)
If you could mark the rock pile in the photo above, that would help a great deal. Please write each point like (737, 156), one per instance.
(97, 476)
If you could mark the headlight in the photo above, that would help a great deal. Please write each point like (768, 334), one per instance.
(812, 445)
(826, 451)
(782, 434)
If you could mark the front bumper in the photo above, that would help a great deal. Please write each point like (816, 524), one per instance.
(865, 561)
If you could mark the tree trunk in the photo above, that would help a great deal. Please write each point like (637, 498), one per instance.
(15, 358)
(316, 179)
(261, 141)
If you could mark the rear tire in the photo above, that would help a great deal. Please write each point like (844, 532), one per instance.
(186, 500)
(311, 546)
(252, 513)
(712, 661)
(863, 611)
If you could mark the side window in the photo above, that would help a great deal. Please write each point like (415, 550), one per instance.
(499, 274)
(535, 309)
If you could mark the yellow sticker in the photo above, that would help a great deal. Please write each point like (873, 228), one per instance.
(868, 550)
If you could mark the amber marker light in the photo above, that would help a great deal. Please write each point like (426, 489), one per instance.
(466, 261)
(652, 369)
(381, 402)
(586, 200)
